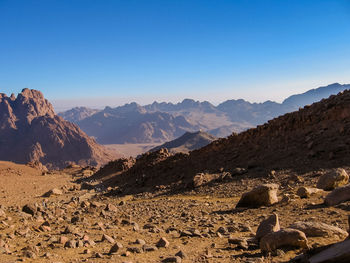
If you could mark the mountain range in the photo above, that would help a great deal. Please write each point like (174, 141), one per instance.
(161, 122)
(314, 137)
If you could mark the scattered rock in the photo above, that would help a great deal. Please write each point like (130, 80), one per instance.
(306, 192)
(283, 237)
(338, 195)
(316, 229)
(339, 252)
(29, 209)
(333, 179)
(262, 195)
(163, 242)
(115, 248)
(269, 225)
(172, 260)
(181, 254)
(108, 238)
(53, 191)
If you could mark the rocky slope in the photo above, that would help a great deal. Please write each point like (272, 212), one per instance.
(313, 137)
(188, 142)
(159, 122)
(31, 132)
(48, 218)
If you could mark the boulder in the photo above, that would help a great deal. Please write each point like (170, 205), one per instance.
(338, 195)
(337, 253)
(333, 179)
(269, 225)
(306, 192)
(316, 229)
(262, 195)
(281, 238)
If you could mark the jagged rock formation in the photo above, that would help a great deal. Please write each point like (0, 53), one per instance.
(131, 123)
(160, 122)
(188, 142)
(313, 137)
(77, 114)
(31, 132)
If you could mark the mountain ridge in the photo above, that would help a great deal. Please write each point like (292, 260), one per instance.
(221, 120)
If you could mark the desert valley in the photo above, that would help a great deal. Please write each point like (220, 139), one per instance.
(179, 131)
(278, 192)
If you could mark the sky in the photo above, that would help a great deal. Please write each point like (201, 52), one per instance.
(97, 53)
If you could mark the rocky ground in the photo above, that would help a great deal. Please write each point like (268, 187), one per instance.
(47, 217)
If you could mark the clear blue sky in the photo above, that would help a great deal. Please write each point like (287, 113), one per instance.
(110, 52)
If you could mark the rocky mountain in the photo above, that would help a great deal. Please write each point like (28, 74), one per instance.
(188, 142)
(314, 95)
(30, 131)
(159, 122)
(132, 123)
(317, 136)
(77, 114)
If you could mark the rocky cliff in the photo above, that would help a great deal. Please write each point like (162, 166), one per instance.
(30, 131)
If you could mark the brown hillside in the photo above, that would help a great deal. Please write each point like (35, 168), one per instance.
(313, 137)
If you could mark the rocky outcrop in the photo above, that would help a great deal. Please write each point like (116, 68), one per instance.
(30, 132)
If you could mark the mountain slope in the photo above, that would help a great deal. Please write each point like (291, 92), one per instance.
(313, 137)
(314, 95)
(188, 142)
(31, 132)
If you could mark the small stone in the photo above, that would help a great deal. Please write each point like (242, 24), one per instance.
(306, 192)
(181, 254)
(163, 242)
(53, 191)
(108, 238)
(29, 209)
(172, 259)
(115, 248)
